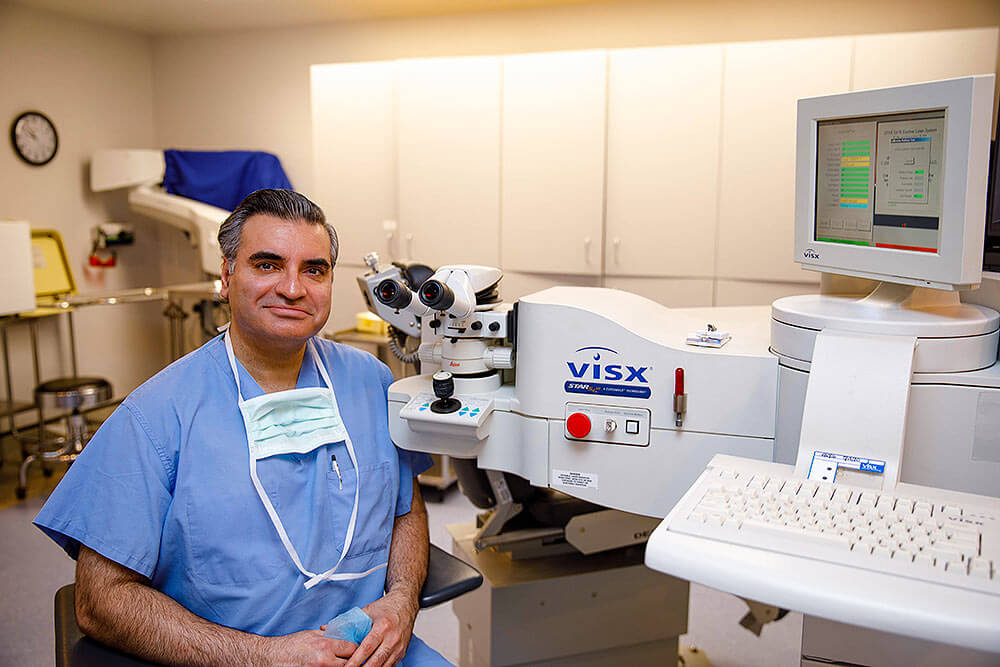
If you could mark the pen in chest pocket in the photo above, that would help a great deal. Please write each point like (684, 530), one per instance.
(336, 468)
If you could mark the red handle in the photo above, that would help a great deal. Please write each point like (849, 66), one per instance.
(679, 382)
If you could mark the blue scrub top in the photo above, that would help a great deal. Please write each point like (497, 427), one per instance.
(164, 489)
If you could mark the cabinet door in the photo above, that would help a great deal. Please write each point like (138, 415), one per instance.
(448, 125)
(664, 109)
(552, 188)
(354, 150)
(892, 60)
(763, 82)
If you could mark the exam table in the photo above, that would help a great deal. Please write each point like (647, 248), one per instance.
(447, 578)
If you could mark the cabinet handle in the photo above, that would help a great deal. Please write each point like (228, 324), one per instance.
(586, 249)
(617, 244)
(409, 247)
(389, 227)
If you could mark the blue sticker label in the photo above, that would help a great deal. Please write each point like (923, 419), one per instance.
(626, 391)
(825, 465)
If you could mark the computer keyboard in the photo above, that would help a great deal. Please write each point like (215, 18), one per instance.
(756, 529)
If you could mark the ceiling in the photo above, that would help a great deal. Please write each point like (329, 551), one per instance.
(170, 17)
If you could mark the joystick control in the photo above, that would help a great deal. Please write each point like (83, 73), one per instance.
(444, 387)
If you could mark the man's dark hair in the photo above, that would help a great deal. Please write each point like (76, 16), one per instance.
(283, 204)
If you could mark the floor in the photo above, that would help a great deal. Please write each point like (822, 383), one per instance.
(32, 568)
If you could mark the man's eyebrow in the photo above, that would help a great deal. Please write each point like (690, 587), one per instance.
(317, 262)
(265, 254)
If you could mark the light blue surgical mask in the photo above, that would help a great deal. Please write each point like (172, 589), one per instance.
(297, 421)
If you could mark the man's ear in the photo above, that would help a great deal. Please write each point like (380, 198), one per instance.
(225, 274)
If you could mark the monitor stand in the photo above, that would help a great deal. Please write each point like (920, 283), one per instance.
(951, 336)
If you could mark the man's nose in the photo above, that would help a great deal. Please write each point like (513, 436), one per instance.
(290, 286)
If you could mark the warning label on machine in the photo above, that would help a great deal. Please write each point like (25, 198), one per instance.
(577, 480)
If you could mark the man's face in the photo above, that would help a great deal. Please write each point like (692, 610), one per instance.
(279, 285)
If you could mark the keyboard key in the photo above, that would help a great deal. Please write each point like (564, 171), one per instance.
(842, 495)
(980, 567)
(789, 488)
(868, 499)
(945, 554)
(807, 536)
(956, 568)
(902, 556)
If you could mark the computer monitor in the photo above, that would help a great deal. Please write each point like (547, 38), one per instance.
(891, 183)
(991, 251)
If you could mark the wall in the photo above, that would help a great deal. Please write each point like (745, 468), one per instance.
(252, 90)
(96, 84)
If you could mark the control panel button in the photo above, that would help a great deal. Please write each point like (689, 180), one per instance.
(578, 425)
(610, 425)
(631, 426)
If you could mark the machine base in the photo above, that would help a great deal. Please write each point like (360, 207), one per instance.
(567, 610)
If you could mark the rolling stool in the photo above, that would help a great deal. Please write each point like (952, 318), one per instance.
(67, 394)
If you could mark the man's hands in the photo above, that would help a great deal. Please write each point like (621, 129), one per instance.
(392, 625)
(309, 648)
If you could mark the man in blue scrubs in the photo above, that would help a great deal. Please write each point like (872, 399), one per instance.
(234, 503)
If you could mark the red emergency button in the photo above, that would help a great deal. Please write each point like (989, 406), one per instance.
(578, 425)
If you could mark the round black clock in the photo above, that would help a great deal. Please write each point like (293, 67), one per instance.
(34, 138)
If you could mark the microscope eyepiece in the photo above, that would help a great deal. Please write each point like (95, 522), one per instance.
(436, 295)
(394, 294)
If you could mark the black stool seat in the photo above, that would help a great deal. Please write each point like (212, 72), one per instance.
(76, 392)
(447, 578)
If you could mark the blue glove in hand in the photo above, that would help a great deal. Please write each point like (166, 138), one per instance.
(352, 626)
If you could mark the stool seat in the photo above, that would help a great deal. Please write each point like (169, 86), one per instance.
(75, 394)
(72, 393)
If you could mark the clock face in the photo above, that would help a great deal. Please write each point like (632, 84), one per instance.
(34, 138)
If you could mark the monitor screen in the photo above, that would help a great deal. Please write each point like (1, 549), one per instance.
(878, 180)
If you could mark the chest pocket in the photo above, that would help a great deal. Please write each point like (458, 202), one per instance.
(376, 503)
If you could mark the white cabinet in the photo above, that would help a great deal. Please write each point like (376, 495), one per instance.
(552, 173)
(448, 132)
(516, 285)
(354, 150)
(760, 292)
(663, 161)
(763, 82)
(670, 292)
(896, 59)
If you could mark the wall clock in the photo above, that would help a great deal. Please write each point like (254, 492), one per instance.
(34, 138)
